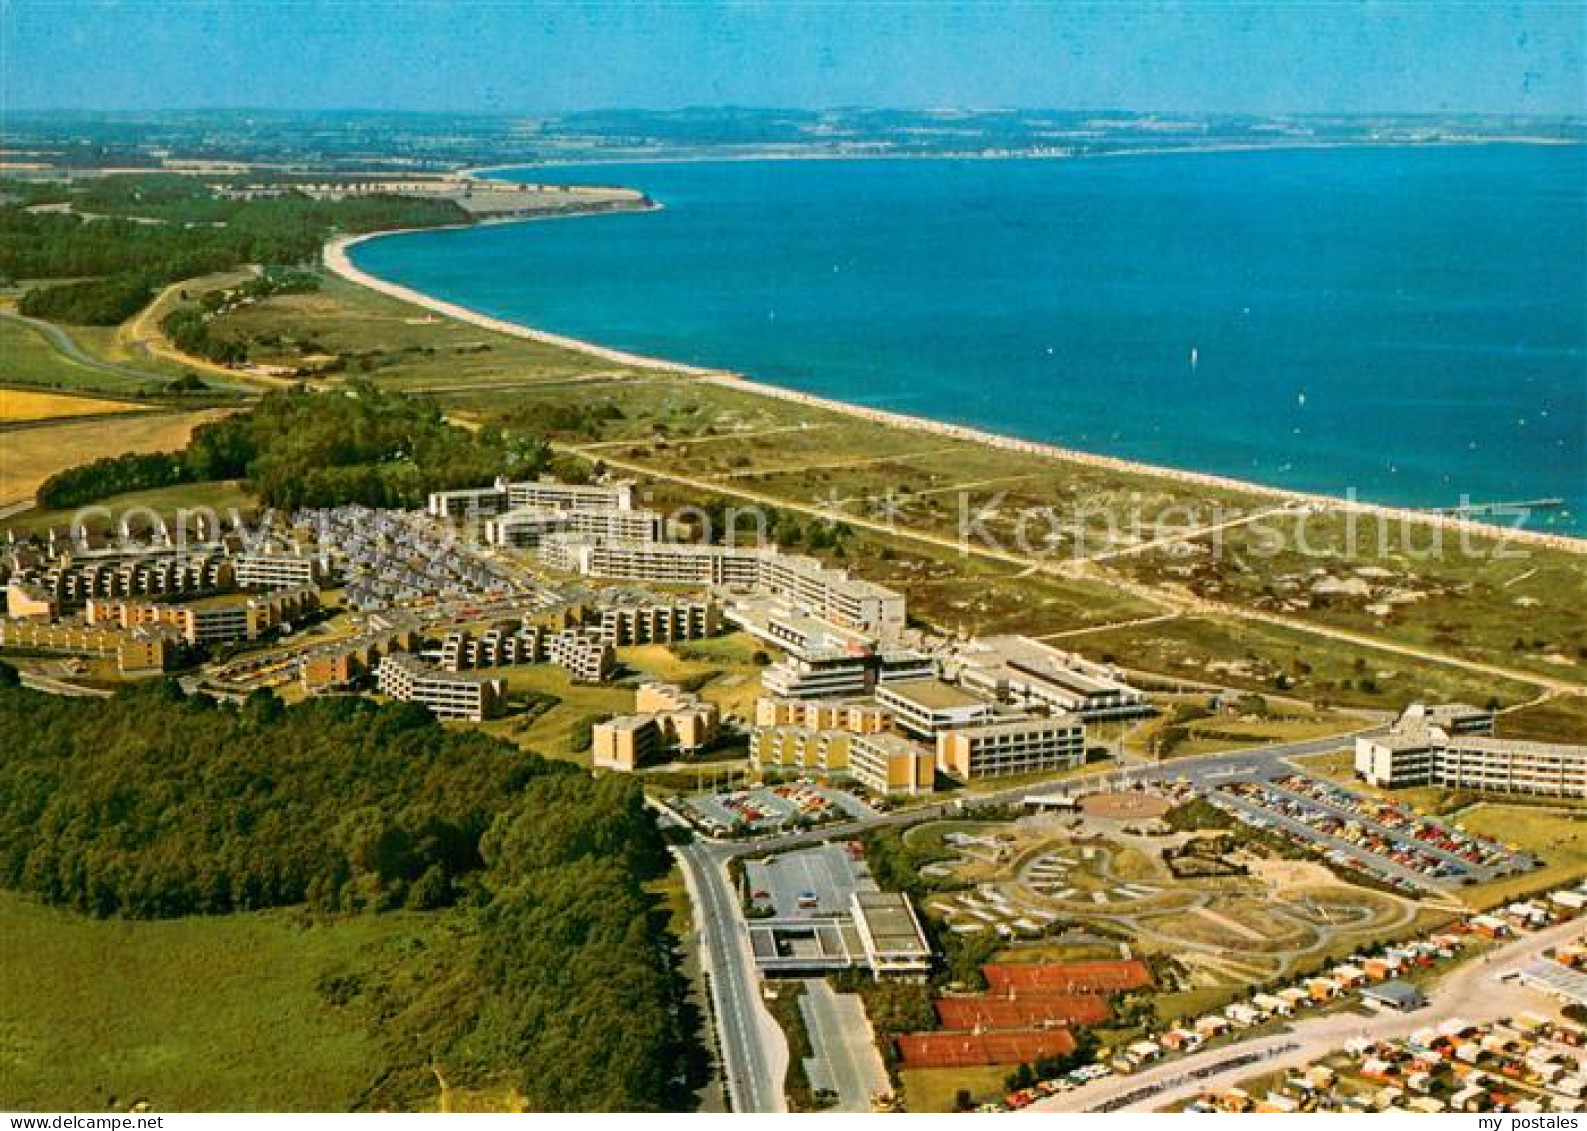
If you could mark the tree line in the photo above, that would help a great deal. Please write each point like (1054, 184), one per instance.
(559, 980)
(137, 233)
(299, 448)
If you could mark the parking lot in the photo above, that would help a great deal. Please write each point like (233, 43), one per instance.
(771, 808)
(1382, 838)
(811, 882)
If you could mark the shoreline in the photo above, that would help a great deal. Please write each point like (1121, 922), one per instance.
(483, 172)
(339, 262)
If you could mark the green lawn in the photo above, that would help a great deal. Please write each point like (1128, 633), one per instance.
(1560, 719)
(28, 358)
(188, 1014)
(221, 496)
(551, 732)
(1557, 836)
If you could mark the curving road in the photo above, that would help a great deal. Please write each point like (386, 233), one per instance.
(66, 345)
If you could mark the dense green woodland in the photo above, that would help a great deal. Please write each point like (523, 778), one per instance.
(298, 448)
(136, 233)
(557, 979)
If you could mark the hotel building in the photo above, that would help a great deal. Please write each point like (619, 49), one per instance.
(1017, 746)
(1416, 753)
(527, 527)
(504, 496)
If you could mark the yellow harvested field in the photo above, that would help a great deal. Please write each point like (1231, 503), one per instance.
(29, 456)
(20, 406)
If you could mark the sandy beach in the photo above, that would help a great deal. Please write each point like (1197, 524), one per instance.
(338, 261)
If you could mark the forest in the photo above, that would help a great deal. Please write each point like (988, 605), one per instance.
(299, 448)
(126, 236)
(559, 982)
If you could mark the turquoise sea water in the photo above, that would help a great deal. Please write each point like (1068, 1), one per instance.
(1409, 323)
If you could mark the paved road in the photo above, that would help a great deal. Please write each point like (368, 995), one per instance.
(67, 345)
(754, 1051)
(62, 687)
(843, 1039)
(1473, 990)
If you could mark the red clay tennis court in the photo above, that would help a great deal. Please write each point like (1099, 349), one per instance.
(1103, 977)
(1024, 1011)
(964, 1050)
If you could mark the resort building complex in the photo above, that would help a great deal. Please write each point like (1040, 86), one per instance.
(1460, 754)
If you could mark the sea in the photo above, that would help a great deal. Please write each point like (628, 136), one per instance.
(1405, 323)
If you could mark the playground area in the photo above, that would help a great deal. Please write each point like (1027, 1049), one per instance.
(1239, 918)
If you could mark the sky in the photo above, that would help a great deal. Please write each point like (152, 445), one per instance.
(1340, 56)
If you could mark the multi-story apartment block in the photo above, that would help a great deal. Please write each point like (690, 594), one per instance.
(800, 750)
(625, 743)
(654, 621)
(504, 496)
(450, 695)
(527, 527)
(137, 650)
(210, 620)
(277, 571)
(1014, 746)
(1472, 762)
(891, 763)
(586, 656)
(854, 716)
(829, 593)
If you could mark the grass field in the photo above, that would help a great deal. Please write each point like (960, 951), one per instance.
(26, 405)
(934, 1089)
(221, 496)
(28, 358)
(1261, 657)
(550, 733)
(217, 1014)
(1562, 719)
(401, 346)
(29, 456)
(1556, 836)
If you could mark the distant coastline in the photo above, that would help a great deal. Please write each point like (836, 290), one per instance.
(338, 261)
(484, 172)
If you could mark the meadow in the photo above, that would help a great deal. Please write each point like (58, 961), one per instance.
(200, 1014)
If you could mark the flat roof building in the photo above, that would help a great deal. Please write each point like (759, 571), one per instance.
(891, 763)
(927, 707)
(1030, 674)
(1014, 746)
(832, 594)
(1416, 753)
(450, 695)
(891, 934)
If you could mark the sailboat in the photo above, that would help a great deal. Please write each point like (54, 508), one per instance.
(1192, 357)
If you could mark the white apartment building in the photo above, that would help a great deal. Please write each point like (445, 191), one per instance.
(832, 594)
(527, 527)
(505, 496)
(1416, 753)
(276, 571)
